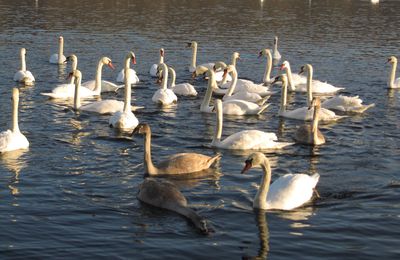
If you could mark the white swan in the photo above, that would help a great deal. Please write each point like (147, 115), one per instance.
(98, 85)
(58, 58)
(277, 56)
(125, 119)
(302, 113)
(121, 75)
(268, 67)
(154, 67)
(181, 163)
(23, 75)
(164, 96)
(285, 193)
(65, 90)
(231, 107)
(182, 89)
(13, 139)
(393, 82)
(340, 103)
(164, 194)
(192, 67)
(309, 133)
(224, 82)
(243, 140)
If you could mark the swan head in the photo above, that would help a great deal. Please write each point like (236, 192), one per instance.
(276, 40)
(229, 69)
(162, 52)
(316, 102)
(75, 73)
(281, 78)
(236, 55)
(254, 160)
(285, 65)
(265, 53)
(304, 68)
(27, 81)
(131, 55)
(392, 60)
(23, 51)
(72, 58)
(60, 39)
(141, 129)
(219, 65)
(192, 44)
(107, 61)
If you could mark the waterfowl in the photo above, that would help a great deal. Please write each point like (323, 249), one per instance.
(164, 96)
(121, 75)
(58, 58)
(182, 89)
(277, 56)
(24, 75)
(393, 82)
(98, 85)
(154, 67)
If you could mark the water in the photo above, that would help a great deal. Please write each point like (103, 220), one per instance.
(73, 194)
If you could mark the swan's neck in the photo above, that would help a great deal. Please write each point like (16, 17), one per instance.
(283, 97)
(15, 127)
(148, 163)
(194, 56)
(97, 87)
(260, 200)
(392, 75)
(164, 83)
(207, 97)
(60, 51)
(161, 60)
(314, 127)
(234, 59)
(77, 98)
(218, 126)
(74, 67)
(290, 78)
(275, 45)
(127, 98)
(233, 84)
(190, 214)
(23, 62)
(173, 78)
(309, 85)
(127, 62)
(268, 68)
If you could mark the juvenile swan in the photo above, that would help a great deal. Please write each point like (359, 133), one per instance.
(309, 133)
(180, 163)
(286, 193)
(164, 194)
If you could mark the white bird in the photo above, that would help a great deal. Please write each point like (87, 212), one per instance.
(58, 58)
(125, 119)
(302, 113)
(24, 75)
(285, 193)
(13, 139)
(154, 67)
(98, 85)
(192, 67)
(298, 82)
(182, 89)
(243, 140)
(224, 82)
(277, 56)
(393, 82)
(164, 96)
(134, 77)
(65, 90)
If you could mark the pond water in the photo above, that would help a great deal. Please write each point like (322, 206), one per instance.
(73, 193)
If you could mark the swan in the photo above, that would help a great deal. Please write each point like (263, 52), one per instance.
(164, 96)
(58, 58)
(309, 133)
(393, 82)
(231, 107)
(181, 163)
(98, 85)
(121, 75)
(125, 119)
(65, 90)
(374, 1)
(224, 83)
(23, 75)
(183, 89)
(243, 86)
(164, 194)
(153, 68)
(277, 56)
(13, 139)
(285, 193)
(80, 92)
(268, 68)
(302, 113)
(340, 103)
(298, 82)
(243, 140)
(192, 67)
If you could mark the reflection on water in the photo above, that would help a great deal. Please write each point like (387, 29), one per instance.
(263, 234)
(14, 162)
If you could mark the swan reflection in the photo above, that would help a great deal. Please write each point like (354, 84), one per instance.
(263, 234)
(15, 162)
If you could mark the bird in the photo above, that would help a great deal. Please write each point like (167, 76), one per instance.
(181, 89)
(98, 85)
(130, 57)
(393, 82)
(154, 67)
(164, 96)
(59, 58)
(13, 139)
(24, 75)
(276, 56)
(288, 192)
(177, 164)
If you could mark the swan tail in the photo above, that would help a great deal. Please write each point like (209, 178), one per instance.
(135, 108)
(363, 108)
(279, 145)
(262, 109)
(315, 179)
(214, 159)
(262, 101)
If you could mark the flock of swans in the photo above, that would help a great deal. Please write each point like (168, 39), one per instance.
(238, 97)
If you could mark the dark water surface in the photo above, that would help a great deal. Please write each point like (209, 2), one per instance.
(73, 194)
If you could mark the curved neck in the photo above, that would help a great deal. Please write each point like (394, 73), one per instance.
(207, 97)
(97, 87)
(314, 126)
(165, 76)
(218, 126)
(127, 98)
(173, 77)
(161, 60)
(73, 68)
(309, 85)
(77, 98)
(268, 68)
(190, 214)
(290, 78)
(260, 200)
(23, 63)
(392, 75)
(283, 97)
(276, 44)
(148, 163)
(234, 59)
(15, 102)
(127, 62)
(233, 83)
(194, 55)
(60, 50)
